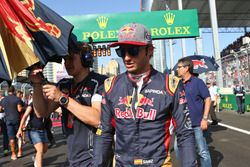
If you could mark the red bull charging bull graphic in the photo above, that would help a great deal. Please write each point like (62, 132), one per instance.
(13, 23)
(35, 23)
(202, 64)
(199, 63)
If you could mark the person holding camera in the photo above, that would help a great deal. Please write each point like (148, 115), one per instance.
(79, 98)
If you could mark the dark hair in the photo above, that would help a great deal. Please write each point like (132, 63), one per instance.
(19, 92)
(80, 47)
(11, 89)
(85, 52)
(186, 61)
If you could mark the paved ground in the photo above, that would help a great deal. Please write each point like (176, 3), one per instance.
(55, 157)
(228, 147)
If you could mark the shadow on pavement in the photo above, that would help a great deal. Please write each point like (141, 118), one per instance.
(216, 156)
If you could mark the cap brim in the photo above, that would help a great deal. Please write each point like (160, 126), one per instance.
(128, 43)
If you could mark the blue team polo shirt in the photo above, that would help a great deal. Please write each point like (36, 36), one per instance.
(196, 92)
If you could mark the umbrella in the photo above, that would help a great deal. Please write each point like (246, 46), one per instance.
(30, 32)
(202, 64)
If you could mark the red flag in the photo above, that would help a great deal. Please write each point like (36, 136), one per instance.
(31, 32)
(15, 42)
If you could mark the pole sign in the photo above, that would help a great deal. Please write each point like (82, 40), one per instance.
(162, 24)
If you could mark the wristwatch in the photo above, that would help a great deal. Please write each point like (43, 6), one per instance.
(205, 117)
(63, 100)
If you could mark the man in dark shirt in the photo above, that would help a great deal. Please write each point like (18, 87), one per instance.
(4, 129)
(199, 101)
(239, 92)
(80, 100)
(12, 106)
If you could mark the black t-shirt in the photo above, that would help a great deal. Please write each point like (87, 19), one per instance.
(239, 90)
(9, 103)
(35, 122)
(80, 136)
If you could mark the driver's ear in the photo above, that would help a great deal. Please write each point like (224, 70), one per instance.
(150, 51)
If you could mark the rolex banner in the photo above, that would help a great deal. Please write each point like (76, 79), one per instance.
(163, 24)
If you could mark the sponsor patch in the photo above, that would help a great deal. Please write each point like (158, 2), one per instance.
(182, 97)
(86, 95)
(108, 83)
(99, 132)
(143, 161)
(142, 101)
(155, 91)
(172, 83)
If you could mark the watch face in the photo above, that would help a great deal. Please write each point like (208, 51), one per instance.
(63, 100)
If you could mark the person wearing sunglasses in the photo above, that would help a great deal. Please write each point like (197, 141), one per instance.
(137, 107)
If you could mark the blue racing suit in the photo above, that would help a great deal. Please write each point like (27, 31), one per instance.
(141, 119)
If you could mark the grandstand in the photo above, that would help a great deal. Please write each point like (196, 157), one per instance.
(235, 59)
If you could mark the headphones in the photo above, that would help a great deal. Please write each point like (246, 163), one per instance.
(87, 58)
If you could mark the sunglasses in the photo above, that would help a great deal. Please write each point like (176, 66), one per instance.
(132, 51)
(178, 67)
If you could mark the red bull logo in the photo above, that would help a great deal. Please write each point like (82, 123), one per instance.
(140, 114)
(125, 101)
(199, 63)
(182, 98)
(142, 101)
(16, 21)
(182, 93)
(124, 114)
(36, 23)
(127, 29)
(145, 101)
(127, 33)
(14, 24)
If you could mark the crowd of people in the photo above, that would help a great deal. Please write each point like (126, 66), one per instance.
(122, 120)
(230, 65)
(230, 73)
(19, 120)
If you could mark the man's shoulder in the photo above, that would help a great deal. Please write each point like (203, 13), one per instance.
(196, 80)
(98, 77)
(172, 83)
(110, 82)
(4, 98)
(2, 101)
(12, 98)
